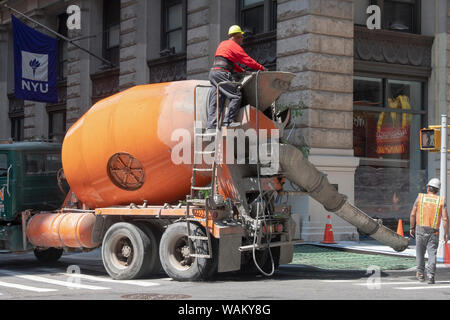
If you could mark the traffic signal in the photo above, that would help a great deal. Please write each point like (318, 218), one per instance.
(430, 139)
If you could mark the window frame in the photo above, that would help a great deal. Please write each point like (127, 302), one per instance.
(107, 25)
(416, 18)
(270, 14)
(51, 134)
(16, 115)
(384, 88)
(423, 113)
(4, 170)
(42, 155)
(17, 121)
(165, 5)
(62, 45)
(40, 161)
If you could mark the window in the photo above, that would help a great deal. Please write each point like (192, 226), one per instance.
(17, 129)
(57, 125)
(3, 165)
(62, 47)
(39, 163)
(257, 16)
(397, 15)
(16, 116)
(386, 111)
(34, 163)
(173, 38)
(400, 15)
(111, 28)
(52, 162)
(360, 12)
(387, 116)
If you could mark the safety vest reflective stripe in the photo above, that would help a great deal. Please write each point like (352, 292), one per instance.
(421, 209)
(436, 214)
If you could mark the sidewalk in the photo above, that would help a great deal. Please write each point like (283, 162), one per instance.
(371, 246)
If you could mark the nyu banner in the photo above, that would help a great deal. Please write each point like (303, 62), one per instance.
(35, 64)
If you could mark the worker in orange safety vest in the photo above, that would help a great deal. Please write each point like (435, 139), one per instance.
(425, 219)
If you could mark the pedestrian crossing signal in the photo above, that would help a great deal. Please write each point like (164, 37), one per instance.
(430, 139)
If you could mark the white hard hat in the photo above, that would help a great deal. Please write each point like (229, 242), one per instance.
(434, 183)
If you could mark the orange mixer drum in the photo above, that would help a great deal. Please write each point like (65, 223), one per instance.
(120, 151)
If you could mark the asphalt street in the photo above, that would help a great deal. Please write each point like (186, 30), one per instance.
(82, 277)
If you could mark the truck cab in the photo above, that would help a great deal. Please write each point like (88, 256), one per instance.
(28, 180)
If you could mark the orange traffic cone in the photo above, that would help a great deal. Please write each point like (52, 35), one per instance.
(447, 255)
(328, 234)
(400, 228)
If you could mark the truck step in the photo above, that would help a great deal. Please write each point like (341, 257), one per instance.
(205, 152)
(201, 188)
(198, 237)
(195, 219)
(202, 170)
(200, 202)
(196, 255)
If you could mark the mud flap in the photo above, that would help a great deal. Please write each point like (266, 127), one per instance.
(229, 254)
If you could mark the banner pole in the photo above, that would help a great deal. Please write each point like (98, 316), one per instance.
(59, 35)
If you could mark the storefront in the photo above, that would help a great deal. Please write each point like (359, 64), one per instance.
(390, 81)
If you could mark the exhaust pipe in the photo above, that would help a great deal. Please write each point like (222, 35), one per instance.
(303, 173)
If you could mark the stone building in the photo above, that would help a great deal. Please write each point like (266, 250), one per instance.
(365, 93)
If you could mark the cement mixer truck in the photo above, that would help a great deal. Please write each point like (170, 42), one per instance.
(157, 191)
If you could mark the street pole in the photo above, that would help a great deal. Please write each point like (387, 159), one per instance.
(443, 191)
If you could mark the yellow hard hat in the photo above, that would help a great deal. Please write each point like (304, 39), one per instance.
(235, 29)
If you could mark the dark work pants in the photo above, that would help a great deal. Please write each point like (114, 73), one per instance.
(225, 91)
(426, 240)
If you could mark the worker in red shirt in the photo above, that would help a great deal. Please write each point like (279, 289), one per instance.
(227, 55)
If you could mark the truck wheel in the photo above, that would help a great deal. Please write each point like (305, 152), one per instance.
(48, 255)
(154, 235)
(127, 251)
(175, 258)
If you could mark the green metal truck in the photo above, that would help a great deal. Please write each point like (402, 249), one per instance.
(28, 180)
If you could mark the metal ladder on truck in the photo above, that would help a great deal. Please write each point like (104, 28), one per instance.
(194, 199)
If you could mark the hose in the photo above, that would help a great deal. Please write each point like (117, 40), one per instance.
(260, 201)
(299, 170)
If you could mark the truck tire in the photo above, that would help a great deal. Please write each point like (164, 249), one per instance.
(154, 234)
(48, 255)
(174, 253)
(127, 251)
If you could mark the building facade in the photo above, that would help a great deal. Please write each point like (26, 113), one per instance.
(365, 93)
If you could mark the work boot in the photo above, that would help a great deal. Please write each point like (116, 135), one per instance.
(233, 124)
(431, 280)
(420, 277)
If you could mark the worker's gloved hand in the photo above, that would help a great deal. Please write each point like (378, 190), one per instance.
(445, 238)
(265, 69)
(412, 232)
